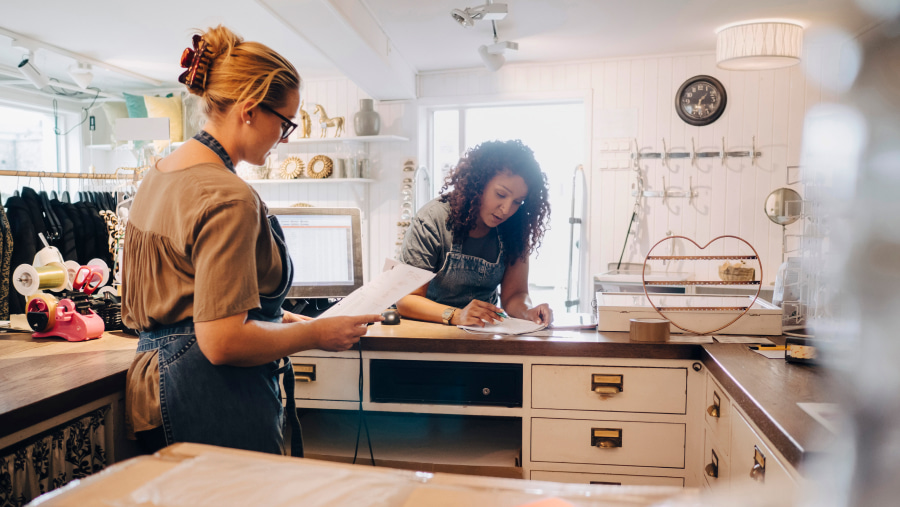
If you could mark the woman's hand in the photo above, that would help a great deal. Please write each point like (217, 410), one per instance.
(476, 313)
(289, 317)
(541, 314)
(336, 334)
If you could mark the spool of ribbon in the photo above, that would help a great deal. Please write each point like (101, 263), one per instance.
(28, 279)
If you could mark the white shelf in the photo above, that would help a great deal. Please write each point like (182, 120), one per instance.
(349, 139)
(312, 181)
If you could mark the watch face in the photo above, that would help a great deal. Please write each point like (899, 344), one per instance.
(700, 100)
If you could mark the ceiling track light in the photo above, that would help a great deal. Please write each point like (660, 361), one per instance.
(493, 54)
(489, 11)
(81, 74)
(32, 73)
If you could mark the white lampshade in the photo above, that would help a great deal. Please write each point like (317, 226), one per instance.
(757, 46)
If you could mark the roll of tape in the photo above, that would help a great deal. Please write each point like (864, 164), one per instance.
(649, 330)
(28, 279)
(43, 303)
(71, 269)
(99, 263)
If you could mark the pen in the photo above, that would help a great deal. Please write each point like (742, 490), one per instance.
(768, 347)
(502, 314)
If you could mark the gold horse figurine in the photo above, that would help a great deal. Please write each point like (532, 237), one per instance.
(305, 123)
(325, 122)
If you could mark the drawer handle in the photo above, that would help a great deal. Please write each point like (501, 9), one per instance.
(758, 472)
(712, 468)
(607, 385)
(304, 372)
(714, 410)
(605, 483)
(606, 438)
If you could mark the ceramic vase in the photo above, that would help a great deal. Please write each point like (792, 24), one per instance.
(367, 122)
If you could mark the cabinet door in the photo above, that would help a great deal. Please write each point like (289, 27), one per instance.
(609, 479)
(601, 442)
(717, 412)
(609, 388)
(326, 378)
(753, 465)
(716, 467)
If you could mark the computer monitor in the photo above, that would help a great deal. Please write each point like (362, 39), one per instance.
(326, 247)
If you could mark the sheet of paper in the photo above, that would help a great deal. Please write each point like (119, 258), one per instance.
(727, 338)
(771, 354)
(381, 292)
(677, 338)
(511, 325)
(827, 414)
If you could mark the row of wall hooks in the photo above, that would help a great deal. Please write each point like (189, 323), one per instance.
(665, 154)
(666, 194)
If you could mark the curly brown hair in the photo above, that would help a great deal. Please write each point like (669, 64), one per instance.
(521, 233)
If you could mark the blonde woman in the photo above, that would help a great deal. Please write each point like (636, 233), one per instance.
(206, 271)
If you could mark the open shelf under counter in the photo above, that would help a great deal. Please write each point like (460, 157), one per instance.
(349, 139)
(488, 446)
(316, 181)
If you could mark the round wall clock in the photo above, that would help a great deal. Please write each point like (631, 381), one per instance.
(700, 100)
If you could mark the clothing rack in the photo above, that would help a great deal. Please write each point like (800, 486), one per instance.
(78, 176)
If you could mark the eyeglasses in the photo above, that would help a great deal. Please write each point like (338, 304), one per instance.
(287, 126)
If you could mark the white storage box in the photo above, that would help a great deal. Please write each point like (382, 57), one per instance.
(615, 310)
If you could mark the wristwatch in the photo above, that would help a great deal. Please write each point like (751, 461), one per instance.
(448, 314)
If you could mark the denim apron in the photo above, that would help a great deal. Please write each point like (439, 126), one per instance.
(229, 406)
(463, 278)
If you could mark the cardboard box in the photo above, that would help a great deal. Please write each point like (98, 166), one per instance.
(615, 311)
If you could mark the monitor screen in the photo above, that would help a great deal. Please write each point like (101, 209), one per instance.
(326, 249)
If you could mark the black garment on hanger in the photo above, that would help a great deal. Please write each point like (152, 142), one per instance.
(54, 227)
(80, 239)
(25, 242)
(65, 197)
(88, 241)
(67, 240)
(53, 195)
(33, 203)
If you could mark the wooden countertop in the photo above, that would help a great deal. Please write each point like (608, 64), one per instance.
(42, 377)
(46, 377)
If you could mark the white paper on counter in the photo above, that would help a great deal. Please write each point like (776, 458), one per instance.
(727, 338)
(509, 325)
(690, 339)
(396, 281)
(771, 354)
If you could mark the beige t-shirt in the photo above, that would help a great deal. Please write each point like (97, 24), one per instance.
(198, 245)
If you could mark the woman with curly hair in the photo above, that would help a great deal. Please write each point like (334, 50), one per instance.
(478, 236)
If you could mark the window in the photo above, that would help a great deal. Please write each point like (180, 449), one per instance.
(555, 132)
(27, 141)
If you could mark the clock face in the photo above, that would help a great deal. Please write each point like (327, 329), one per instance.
(700, 100)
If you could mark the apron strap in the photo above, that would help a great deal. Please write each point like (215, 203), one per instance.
(292, 429)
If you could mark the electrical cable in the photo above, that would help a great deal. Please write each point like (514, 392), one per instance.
(362, 423)
(84, 110)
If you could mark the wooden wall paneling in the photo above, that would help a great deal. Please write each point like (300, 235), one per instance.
(751, 200)
(676, 179)
(767, 175)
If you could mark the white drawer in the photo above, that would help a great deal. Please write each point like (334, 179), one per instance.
(773, 479)
(717, 413)
(653, 390)
(617, 480)
(715, 462)
(335, 379)
(641, 443)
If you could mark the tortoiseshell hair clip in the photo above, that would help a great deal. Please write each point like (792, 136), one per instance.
(196, 61)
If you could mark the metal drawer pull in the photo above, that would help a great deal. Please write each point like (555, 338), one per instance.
(712, 468)
(305, 372)
(604, 483)
(714, 409)
(606, 437)
(607, 385)
(758, 472)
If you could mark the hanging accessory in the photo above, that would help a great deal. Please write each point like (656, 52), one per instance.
(210, 142)
(197, 62)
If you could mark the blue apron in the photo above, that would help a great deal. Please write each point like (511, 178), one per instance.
(463, 278)
(229, 406)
